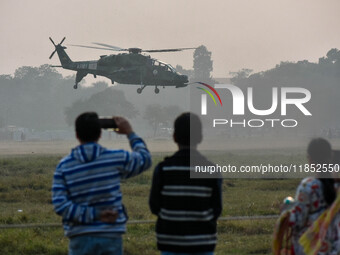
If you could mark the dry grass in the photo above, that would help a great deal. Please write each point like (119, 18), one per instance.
(25, 185)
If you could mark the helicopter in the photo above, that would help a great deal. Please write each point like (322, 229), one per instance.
(131, 68)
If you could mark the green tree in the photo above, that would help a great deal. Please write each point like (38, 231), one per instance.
(158, 115)
(100, 85)
(332, 57)
(203, 64)
(241, 74)
(181, 70)
(48, 71)
(154, 115)
(26, 72)
(36, 97)
(171, 112)
(108, 102)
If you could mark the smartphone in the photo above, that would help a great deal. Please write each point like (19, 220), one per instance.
(107, 123)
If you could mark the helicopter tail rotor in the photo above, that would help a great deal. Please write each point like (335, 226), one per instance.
(52, 41)
(62, 40)
(56, 46)
(52, 54)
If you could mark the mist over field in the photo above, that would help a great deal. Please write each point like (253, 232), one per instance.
(40, 99)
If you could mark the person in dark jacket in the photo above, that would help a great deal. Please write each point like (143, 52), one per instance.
(187, 208)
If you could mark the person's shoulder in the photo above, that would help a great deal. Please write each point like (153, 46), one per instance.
(65, 160)
(103, 151)
(310, 182)
(166, 161)
(171, 160)
(117, 155)
(186, 157)
(308, 185)
(199, 159)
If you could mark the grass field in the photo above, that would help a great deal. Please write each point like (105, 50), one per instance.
(25, 185)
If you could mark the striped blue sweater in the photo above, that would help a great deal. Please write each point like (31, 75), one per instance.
(88, 181)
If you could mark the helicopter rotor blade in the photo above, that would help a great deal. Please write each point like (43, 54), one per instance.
(52, 41)
(62, 40)
(52, 54)
(169, 50)
(110, 46)
(90, 47)
(115, 48)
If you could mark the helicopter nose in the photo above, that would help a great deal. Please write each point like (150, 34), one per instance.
(184, 78)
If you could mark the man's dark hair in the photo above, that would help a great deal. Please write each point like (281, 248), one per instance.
(188, 129)
(320, 152)
(88, 127)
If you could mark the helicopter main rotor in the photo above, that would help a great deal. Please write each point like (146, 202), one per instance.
(130, 50)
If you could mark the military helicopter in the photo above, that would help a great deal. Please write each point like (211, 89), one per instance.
(124, 68)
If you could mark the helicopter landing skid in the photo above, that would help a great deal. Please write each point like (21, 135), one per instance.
(139, 90)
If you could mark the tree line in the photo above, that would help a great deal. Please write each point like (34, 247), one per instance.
(41, 98)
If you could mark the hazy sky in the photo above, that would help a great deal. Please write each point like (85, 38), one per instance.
(255, 34)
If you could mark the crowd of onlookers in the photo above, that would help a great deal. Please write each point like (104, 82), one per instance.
(86, 193)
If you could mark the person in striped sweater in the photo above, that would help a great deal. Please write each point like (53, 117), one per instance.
(187, 208)
(86, 187)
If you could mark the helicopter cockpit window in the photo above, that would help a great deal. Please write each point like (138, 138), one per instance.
(172, 69)
(166, 67)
